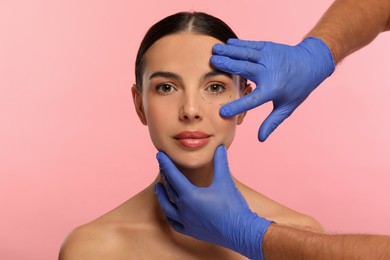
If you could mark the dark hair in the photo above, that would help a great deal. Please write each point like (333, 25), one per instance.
(196, 22)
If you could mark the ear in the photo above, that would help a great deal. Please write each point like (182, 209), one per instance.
(137, 99)
(247, 90)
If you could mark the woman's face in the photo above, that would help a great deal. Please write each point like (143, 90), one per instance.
(181, 97)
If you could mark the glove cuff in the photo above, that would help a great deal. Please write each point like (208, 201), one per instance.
(252, 233)
(318, 48)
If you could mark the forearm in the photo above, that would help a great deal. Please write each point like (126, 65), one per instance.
(349, 25)
(282, 242)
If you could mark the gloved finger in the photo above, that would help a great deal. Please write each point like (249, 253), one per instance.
(167, 206)
(245, 69)
(221, 166)
(169, 189)
(274, 119)
(256, 98)
(177, 180)
(256, 45)
(237, 53)
(176, 225)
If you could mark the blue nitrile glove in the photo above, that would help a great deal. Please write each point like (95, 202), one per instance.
(217, 214)
(282, 73)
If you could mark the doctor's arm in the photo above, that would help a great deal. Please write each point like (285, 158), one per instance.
(286, 75)
(282, 242)
(349, 25)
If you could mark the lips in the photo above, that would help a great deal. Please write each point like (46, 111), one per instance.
(192, 139)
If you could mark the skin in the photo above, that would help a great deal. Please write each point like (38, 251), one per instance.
(184, 97)
(138, 229)
(282, 242)
(349, 25)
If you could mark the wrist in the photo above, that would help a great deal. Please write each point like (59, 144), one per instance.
(283, 242)
(318, 48)
(251, 233)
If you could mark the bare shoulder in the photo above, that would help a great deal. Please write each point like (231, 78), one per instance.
(302, 221)
(107, 237)
(277, 212)
(85, 242)
(110, 236)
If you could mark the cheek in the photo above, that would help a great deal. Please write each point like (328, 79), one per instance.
(159, 117)
(156, 109)
(225, 127)
(230, 130)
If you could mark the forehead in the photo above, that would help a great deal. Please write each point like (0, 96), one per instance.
(180, 51)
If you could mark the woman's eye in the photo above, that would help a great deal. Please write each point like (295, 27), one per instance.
(165, 88)
(216, 88)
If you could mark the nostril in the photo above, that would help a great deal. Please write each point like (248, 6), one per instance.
(191, 117)
(190, 113)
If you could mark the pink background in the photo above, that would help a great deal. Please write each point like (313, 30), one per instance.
(72, 147)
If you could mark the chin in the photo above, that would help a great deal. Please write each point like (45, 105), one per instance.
(192, 164)
(192, 160)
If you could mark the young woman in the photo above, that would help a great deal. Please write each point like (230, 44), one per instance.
(177, 95)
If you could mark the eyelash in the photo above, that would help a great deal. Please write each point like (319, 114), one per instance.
(160, 86)
(221, 86)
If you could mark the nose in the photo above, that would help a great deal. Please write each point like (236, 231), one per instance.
(191, 108)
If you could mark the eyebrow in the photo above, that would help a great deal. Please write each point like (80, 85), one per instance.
(174, 76)
(165, 74)
(215, 73)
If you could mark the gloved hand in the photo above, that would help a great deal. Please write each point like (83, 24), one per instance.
(217, 214)
(282, 73)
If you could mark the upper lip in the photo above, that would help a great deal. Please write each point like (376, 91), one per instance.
(191, 135)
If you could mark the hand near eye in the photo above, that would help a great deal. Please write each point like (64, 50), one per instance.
(283, 74)
(217, 214)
